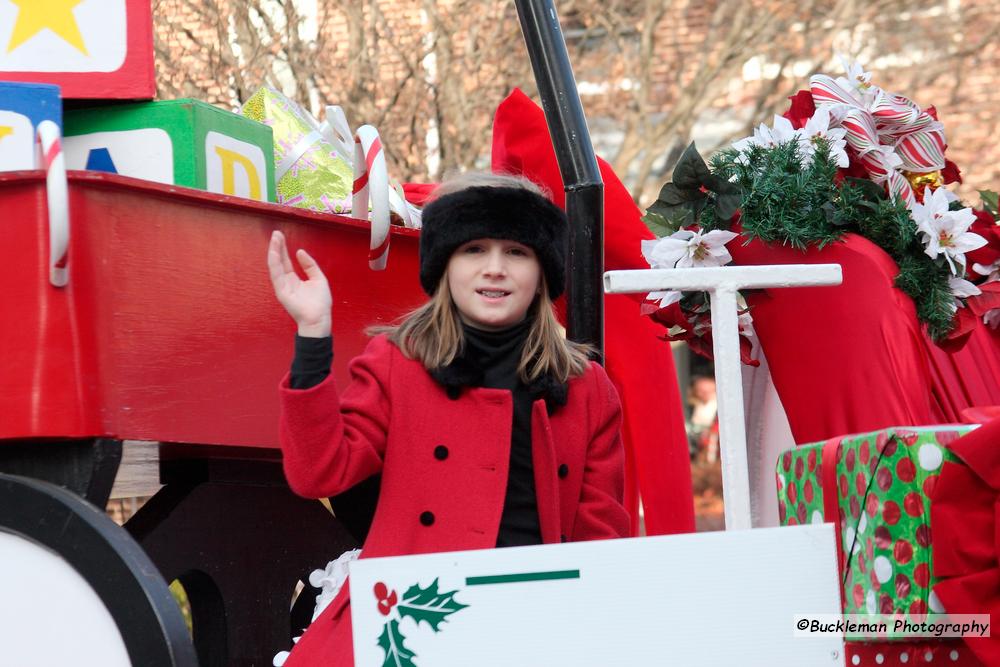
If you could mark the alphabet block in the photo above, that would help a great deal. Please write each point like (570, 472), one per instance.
(179, 142)
(93, 49)
(22, 107)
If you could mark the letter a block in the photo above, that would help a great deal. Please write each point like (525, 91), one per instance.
(178, 142)
(22, 107)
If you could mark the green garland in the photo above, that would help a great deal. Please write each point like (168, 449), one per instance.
(782, 201)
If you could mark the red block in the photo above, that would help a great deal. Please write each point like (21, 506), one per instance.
(168, 329)
(94, 49)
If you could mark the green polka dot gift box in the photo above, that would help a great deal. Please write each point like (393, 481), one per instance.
(876, 487)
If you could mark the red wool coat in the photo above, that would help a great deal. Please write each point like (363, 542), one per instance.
(444, 466)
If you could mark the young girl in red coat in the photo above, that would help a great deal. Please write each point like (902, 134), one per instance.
(489, 428)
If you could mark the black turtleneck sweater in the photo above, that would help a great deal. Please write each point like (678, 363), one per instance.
(492, 357)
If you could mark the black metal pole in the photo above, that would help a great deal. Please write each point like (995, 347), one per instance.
(578, 165)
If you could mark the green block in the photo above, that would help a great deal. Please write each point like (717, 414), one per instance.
(180, 142)
(884, 483)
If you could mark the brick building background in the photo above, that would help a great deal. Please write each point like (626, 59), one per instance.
(653, 74)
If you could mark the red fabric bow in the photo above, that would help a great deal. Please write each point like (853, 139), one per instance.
(966, 529)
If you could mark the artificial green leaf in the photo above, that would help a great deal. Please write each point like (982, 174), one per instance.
(426, 604)
(391, 641)
(691, 172)
(674, 196)
(990, 202)
(726, 204)
(659, 225)
(871, 190)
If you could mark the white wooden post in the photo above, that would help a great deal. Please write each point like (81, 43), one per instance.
(722, 283)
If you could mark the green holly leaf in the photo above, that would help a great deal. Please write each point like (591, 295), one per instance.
(990, 202)
(427, 604)
(691, 172)
(657, 223)
(391, 641)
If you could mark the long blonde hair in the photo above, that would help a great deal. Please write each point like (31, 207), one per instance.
(432, 333)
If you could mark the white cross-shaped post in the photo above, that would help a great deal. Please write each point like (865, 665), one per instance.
(722, 283)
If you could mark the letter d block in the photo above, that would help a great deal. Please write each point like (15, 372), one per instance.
(178, 142)
(22, 107)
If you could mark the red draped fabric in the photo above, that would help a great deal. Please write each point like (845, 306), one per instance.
(969, 377)
(843, 359)
(640, 365)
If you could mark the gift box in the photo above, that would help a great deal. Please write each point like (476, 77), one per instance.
(877, 488)
(92, 49)
(179, 142)
(22, 107)
(310, 172)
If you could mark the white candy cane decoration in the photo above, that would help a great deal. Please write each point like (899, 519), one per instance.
(371, 180)
(57, 193)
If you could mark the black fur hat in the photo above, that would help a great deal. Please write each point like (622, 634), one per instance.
(510, 213)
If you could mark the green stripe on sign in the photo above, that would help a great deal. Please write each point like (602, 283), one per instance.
(525, 576)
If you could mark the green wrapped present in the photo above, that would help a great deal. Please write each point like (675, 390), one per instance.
(876, 487)
(178, 142)
(310, 172)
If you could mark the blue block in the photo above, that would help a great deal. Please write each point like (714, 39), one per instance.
(22, 107)
(99, 159)
(37, 101)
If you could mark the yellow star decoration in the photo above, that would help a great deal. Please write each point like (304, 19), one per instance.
(5, 130)
(36, 15)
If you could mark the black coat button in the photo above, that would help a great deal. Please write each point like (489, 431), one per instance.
(563, 471)
(427, 518)
(562, 538)
(440, 452)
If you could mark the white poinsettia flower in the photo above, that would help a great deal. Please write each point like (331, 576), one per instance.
(770, 137)
(819, 127)
(665, 297)
(857, 78)
(686, 249)
(991, 271)
(961, 289)
(946, 232)
(745, 322)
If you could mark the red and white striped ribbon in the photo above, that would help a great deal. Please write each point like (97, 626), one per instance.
(51, 158)
(371, 181)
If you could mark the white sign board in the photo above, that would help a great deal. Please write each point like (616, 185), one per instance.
(726, 598)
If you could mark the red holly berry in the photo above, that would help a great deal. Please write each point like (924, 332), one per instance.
(800, 467)
(902, 552)
(786, 461)
(929, 485)
(807, 491)
(882, 537)
(923, 535)
(812, 460)
(902, 586)
(851, 456)
(865, 452)
(913, 504)
(890, 512)
(921, 575)
(905, 470)
(386, 600)
(871, 504)
(858, 593)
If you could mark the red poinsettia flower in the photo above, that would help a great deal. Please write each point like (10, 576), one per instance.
(951, 173)
(965, 322)
(801, 110)
(988, 228)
